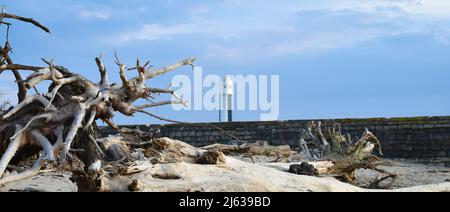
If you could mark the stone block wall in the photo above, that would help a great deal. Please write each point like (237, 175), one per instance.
(419, 139)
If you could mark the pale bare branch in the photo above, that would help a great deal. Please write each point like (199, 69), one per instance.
(155, 73)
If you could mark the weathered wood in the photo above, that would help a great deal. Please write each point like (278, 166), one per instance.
(75, 103)
(28, 20)
(252, 149)
(357, 156)
(18, 67)
(234, 176)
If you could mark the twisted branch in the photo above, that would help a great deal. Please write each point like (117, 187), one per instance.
(28, 20)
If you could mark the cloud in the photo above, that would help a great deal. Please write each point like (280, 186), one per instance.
(430, 8)
(7, 95)
(443, 36)
(88, 14)
(426, 8)
(238, 30)
(311, 44)
(320, 31)
(151, 32)
(7, 91)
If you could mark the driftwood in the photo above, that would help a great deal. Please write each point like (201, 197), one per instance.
(159, 151)
(179, 170)
(317, 141)
(252, 149)
(65, 116)
(165, 150)
(347, 157)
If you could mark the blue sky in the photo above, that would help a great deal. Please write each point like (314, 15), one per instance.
(348, 58)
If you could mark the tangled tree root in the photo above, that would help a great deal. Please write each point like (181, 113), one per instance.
(348, 156)
(63, 121)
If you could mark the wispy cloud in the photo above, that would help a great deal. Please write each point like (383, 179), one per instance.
(88, 14)
(443, 36)
(293, 27)
(427, 8)
(311, 44)
(151, 32)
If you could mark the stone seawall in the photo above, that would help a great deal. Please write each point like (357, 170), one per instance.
(419, 139)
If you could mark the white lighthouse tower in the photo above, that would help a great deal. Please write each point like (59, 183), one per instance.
(228, 92)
